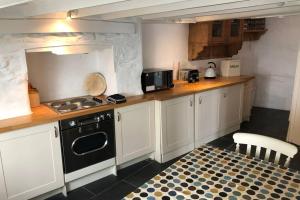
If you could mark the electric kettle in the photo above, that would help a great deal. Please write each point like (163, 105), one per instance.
(210, 72)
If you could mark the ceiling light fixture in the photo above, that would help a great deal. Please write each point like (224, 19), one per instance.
(69, 15)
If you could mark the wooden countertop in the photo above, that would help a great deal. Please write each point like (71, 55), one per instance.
(43, 114)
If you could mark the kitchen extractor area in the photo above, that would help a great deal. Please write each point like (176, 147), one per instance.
(177, 99)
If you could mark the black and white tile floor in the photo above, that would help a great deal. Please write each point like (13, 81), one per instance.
(264, 121)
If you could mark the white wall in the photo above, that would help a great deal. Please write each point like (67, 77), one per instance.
(273, 60)
(63, 76)
(166, 46)
(126, 55)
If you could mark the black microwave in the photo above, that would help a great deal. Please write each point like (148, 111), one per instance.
(157, 79)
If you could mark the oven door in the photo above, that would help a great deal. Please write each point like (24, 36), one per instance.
(87, 145)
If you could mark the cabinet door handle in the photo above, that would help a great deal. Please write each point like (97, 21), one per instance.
(225, 95)
(200, 100)
(191, 102)
(55, 131)
(119, 117)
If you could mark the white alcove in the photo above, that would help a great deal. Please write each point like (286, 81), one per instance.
(59, 72)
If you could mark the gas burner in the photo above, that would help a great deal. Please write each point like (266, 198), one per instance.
(78, 101)
(88, 104)
(67, 108)
(58, 104)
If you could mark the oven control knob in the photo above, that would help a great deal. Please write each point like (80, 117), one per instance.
(72, 123)
(102, 117)
(108, 116)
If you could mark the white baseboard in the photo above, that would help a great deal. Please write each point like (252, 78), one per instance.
(89, 170)
(229, 130)
(90, 178)
(48, 194)
(173, 154)
(136, 160)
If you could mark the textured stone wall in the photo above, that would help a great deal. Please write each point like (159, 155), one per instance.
(127, 60)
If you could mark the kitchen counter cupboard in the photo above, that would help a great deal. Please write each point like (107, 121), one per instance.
(31, 162)
(190, 121)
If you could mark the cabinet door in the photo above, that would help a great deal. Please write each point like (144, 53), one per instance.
(206, 117)
(231, 106)
(235, 30)
(135, 131)
(217, 32)
(177, 123)
(31, 162)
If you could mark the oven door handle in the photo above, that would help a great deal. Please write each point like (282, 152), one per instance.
(91, 151)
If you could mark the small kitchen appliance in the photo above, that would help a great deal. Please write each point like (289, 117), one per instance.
(75, 104)
(210, 72)
(230, 68)
(156, 79)
(190, 75)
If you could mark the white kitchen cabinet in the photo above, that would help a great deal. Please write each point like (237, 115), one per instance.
(230, 108)
(249, 92)
(135, 131)
(31, 162)
(206, 116)
(177, 126)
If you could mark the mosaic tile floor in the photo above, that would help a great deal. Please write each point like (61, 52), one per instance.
(212, 173)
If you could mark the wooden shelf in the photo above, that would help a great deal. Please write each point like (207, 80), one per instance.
(256, 31)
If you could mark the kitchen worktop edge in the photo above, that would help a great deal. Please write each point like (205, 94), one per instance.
(43, 114)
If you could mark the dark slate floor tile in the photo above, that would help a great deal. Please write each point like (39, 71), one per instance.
(117, 192)
(103, 184)
(78, 194)
(57, 197)
(144, 175)
(128, 171)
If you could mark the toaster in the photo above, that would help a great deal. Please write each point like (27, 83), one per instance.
(190, 75)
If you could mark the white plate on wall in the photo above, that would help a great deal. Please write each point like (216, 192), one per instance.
(95, 84)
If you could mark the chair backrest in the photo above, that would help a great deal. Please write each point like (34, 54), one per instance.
(260, 141)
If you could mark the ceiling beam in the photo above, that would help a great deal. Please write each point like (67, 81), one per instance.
(199, 10)
(64, 26)
(255, 13)
(8, 3)
(163, 8)
(43, 7)
(121, 6)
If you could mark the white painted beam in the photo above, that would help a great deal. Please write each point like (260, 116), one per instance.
(204, 10)
(163, 8)
(256, 13)
(121, 6)
(64, 26)
(42, 7)
(8, 3)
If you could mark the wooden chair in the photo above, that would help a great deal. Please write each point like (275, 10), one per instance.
(260, 141)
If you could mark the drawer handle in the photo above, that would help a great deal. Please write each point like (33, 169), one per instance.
(200, 100)
(191, 102)
(225, 95)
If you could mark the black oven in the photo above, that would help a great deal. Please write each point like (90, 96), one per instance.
(87, 140)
